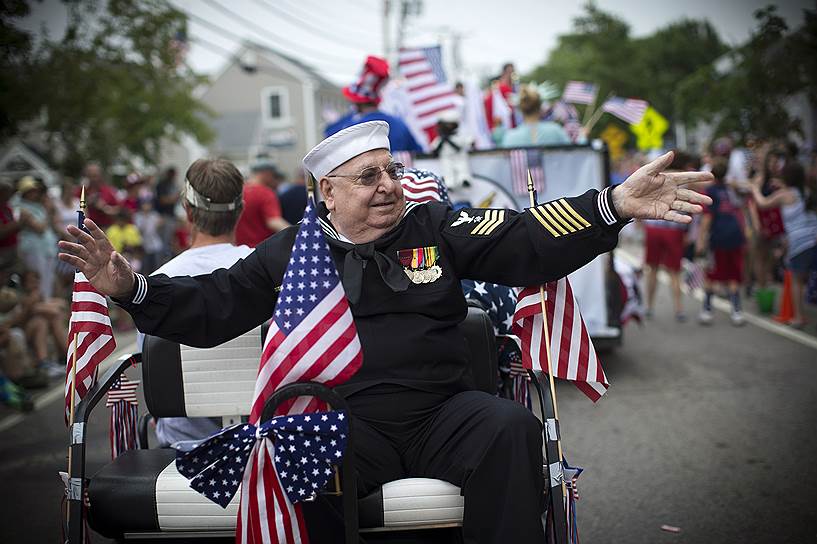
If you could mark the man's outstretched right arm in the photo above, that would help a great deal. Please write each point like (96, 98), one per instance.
(201, 311)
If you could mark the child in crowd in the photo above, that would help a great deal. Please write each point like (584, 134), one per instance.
(125, 237)
(148, 221)
(721, 233)
(801, 228)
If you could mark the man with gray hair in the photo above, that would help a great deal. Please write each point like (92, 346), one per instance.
(415, 410)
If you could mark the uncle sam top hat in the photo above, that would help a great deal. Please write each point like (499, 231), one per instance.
(366, 89)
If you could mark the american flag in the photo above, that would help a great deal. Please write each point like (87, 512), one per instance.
(523, 160)
(312, 337)
(629, 110)
(429, 91)
(124, 416)
(566, 114)
(572, 354)
(423, 186)
(580, 92)
(89, 333)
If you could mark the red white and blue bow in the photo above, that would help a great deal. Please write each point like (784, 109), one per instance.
(306, 447)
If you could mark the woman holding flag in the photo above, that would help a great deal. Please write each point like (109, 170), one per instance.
(400, 265)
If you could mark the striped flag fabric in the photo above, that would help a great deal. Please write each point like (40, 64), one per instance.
(124, 416)
(523, 160)
(423, 186)
(312, 337)
(629, 110)
(90, 325)
(403, 157)
(580, 92)
(429, 90)
(572, 353)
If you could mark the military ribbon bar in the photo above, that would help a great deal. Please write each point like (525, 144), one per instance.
(306, 446)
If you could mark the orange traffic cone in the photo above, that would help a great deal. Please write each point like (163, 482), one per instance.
(786, 312)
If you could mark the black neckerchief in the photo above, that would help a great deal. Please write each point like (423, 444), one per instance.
(359, 255)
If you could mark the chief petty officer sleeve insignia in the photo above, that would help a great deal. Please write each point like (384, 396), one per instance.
(559, 218)
(420, 264)
(478, 222)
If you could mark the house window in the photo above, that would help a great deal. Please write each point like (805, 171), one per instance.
(275, 105)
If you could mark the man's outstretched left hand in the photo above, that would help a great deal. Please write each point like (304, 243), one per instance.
(651, 193)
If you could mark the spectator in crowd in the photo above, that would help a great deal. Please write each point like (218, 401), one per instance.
(15, 361)
(533, 131)
(665, 243)
(149, 222)
(213, 203)
(10, 226)
(65, 213)
(293, 197)
(768, 221)
(43, 320)
(262, 210)
(37, 240)
(721, 232)
(166, 196)
(102, 199)
(501, 88)
(364, 95)
(133, 188)
(801, 228)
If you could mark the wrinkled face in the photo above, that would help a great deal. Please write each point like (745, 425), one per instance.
(357, 207)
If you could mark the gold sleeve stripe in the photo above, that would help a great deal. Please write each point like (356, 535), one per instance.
(550, 219)
(487, 219)
(500, 219)
(565, 215)
(558, 216)
(544, 222)
(572, 212)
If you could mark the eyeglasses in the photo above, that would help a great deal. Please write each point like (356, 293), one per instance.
(369, 177)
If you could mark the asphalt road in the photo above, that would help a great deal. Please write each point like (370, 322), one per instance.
(711, 430)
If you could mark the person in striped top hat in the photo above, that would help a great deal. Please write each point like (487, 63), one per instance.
(364, 96)
(413, 403)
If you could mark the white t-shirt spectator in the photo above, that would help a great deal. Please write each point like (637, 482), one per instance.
(195, 261)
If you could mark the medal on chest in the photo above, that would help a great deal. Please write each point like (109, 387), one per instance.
(420, 264)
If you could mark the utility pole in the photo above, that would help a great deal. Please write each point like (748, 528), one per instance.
(386, 30)
(407, 7)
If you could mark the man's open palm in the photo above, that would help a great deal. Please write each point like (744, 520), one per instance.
(651, 193)
(94, 256)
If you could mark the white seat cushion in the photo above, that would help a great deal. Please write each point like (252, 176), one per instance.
(180, 508)
(420, 502)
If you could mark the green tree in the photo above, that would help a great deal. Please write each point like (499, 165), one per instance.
(15, 67)
(600, 49)
(112, 88)
(744, 92)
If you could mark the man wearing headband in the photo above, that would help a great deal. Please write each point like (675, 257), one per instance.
(415, 411)
(212, 201)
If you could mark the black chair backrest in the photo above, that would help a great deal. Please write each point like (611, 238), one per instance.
(479, 335)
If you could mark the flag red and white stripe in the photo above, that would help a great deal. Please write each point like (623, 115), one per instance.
(522, 161)
(629, 110)
(124, 407)
(421, 186)
(312, 337)
(91, 325)
(572, 354)
(429, 91)
(579, 92)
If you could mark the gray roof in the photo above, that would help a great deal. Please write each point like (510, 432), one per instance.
(307, 68)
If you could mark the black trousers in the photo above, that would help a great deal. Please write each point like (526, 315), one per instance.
(490, 447)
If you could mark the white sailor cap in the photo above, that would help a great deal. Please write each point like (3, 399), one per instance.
(346, 144)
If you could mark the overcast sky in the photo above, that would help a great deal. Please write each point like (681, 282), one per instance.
(335, 36)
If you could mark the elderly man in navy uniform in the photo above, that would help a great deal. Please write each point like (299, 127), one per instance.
(414, 408)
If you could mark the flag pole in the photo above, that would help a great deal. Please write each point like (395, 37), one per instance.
(532, 195)
(590, 107)
(597, 114)
(80, 214)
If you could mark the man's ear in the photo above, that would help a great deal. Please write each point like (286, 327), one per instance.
(328, 193)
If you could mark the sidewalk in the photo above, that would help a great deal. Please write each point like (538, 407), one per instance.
(633, 252)
(125, 342)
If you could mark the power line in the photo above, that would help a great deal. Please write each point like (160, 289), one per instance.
(304, 24)
(332, 22)
(241, 39)
(261, 31)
